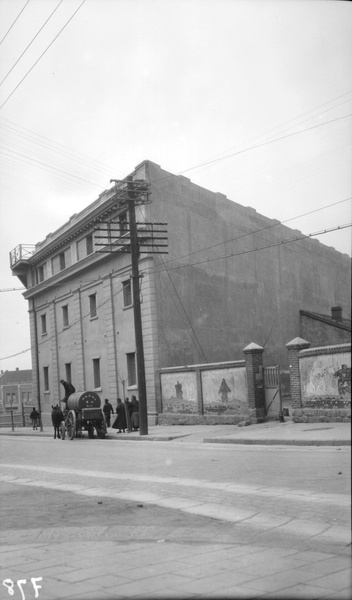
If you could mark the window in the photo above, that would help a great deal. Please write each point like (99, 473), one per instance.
(68, 372)
(89, 244)
(93, 306)
(85, 246)
(46, 378)
(65, 321)
(96, 372)
(11, 399)
(131, 369)
(62, 261)
(39, 274)
(127, 293)
(43, 320)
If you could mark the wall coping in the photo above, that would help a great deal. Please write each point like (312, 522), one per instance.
(297, 342)
(203, 367)
(253, 347)
(338, 349)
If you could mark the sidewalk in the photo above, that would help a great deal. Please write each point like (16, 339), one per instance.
(270, 433)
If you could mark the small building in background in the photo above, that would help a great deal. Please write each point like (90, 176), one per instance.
(16, 394)
(325, 330)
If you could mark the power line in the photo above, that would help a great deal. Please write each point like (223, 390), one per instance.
(47, 48)
(239, 237)
(19, 14)
(30, 43)
(294, 119)
(266, 143)
(233, 254)
(66, 328)
(61, 148)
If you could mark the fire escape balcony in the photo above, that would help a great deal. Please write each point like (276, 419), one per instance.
(19, 261)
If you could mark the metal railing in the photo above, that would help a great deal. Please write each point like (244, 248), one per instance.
(21, 252)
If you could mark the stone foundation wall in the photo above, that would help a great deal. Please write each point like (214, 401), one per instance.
(182, 419)
(321, 415)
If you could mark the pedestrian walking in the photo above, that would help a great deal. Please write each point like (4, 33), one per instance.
(108, 411)
(120, 422)
(34, 416)
(135, 413)
(128, 411)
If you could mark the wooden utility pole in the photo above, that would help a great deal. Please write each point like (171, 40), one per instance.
(126, 239)
(143, 411)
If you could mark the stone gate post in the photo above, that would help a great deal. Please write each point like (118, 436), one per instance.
(293, 348)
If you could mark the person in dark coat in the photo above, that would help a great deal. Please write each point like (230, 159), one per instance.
(120, 421)
(69, 389)
(34, 416)
(135, 413)
(108, 411)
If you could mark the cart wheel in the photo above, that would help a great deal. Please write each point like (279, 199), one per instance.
(90, 430)
(62, 430)
(100, 431)
(71, 424)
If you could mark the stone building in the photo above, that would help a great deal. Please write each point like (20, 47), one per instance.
(231, 276)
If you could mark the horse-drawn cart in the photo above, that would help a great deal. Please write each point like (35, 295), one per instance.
(83, 413)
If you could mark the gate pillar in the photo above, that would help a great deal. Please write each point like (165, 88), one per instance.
(293, 348)
(255, 380)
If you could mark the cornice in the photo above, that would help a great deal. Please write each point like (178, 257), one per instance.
(80, 226)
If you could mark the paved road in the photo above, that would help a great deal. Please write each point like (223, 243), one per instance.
(287, 507)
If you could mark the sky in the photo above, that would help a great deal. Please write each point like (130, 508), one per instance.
(250, 98)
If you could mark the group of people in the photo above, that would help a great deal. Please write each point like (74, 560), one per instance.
(128, 411)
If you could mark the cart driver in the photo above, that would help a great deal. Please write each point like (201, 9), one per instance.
(69, 389)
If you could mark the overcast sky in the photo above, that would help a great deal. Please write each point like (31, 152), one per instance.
(251, 98)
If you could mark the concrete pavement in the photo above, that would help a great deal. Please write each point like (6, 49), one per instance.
(270, 433)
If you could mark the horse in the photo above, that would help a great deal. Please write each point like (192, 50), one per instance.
(56, 417)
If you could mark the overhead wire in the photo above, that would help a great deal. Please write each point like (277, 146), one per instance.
(219, 155)
(41, 56)
(56, 147)
(18, 16)
(76, 322)
(256, 231)
(30, 43)
(259, 145)
(251, 250)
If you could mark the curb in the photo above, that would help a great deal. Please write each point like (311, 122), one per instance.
(272, 442)
(169, 438)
